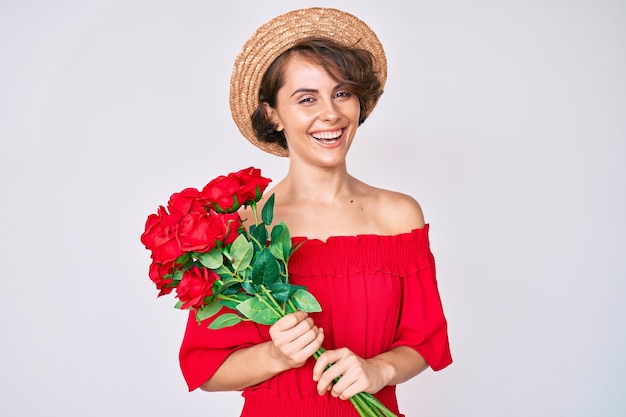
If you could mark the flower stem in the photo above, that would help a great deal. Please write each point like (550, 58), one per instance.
(254, 212)
(279, 314)
(253, 239)
(227, 298)
(271, 298)
(292, 306)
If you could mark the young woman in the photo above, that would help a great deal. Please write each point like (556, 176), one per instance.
(301, 87)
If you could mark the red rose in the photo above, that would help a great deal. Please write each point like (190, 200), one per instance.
(160, 236)
(158, 273)
(221, 193)
(228, 193)
(152, 229)
(196, 232)
(230, 224)
(184, 202)
(202, 231)
(252, 185)
(195, 285)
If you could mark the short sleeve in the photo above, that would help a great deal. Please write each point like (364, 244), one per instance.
(422, 325)
(203, 350)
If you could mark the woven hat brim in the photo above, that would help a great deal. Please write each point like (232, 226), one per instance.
(281, 33)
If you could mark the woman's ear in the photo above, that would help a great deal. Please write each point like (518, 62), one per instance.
(272, 116)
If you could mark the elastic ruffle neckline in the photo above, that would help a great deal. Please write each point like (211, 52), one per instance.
(367, 236)
(343, 255)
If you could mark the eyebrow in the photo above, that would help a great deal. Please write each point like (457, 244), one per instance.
(314, 91)
(304, 90)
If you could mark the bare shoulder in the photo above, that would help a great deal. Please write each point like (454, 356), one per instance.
(399, 212)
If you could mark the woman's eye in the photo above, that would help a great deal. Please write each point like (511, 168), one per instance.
(342, 94)
(306, 100)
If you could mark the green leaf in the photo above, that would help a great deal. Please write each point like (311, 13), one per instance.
(183, 259)
(281, 242)
(179, 305)
(225, 320)
(231, 288)
(177, 275)
(276, 245)
(282, 292)
(260, 233)
(229, 282)
(305, 301)
(224, 273)
(267, 214)
(211, 260)
(235, 205)
(295, 248)
(208, 310)
(258, 194)
(241, 252)
(217, 287)
(234, 300)
(172, 284)
(257, 311)
(265, 269)
(250, 287)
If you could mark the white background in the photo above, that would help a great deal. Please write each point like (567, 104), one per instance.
(505, 119)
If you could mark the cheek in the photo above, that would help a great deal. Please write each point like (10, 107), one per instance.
(352, 109)
(296, 121)
(357, 106)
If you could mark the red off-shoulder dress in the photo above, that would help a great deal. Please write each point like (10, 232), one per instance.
(376, 292)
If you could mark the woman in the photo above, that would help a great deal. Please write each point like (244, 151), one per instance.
(300, 89)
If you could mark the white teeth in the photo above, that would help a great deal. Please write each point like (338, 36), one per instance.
(327, 135)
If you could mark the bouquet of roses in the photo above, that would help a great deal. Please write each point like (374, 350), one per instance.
(201, 248)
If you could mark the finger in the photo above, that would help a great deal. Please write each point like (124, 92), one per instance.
(289, 334)
(303, 335)
(306, 331)
(331, 376)
(302, 348)
(345, 391)
(310, 348)
(289, 321)
(328, 358)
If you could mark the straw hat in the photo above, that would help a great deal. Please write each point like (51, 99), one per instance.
(280, 34)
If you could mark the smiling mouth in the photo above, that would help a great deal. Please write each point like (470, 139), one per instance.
(327, 137)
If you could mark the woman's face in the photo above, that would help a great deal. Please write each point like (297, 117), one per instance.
(318, 116)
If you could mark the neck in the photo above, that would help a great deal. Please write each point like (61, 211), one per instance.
(321, 184)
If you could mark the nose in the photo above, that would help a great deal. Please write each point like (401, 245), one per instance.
(329, 112)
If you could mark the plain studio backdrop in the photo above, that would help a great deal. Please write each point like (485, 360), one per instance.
(505, 119)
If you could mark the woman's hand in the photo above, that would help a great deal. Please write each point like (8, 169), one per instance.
(365, 375)
(357, 374)
(295, 338)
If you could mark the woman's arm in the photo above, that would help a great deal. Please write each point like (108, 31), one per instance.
(294, 339)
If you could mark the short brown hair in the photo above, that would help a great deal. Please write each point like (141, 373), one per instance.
(352, 67)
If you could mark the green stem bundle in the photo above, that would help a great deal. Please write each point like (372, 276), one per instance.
(365, 403)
